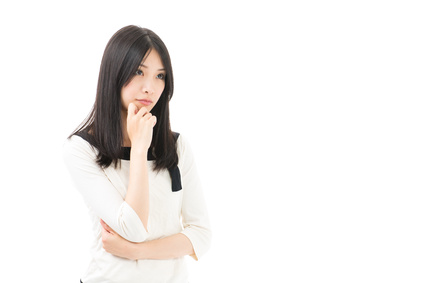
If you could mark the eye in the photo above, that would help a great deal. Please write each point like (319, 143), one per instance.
(161, 76)
(139, 72)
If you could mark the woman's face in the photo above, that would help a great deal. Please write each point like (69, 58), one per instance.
(146, 87)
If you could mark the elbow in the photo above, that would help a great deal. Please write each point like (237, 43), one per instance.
(135, 235)
(201, 239)
(208, 239)
(130, 226)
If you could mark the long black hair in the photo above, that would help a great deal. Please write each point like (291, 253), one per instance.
(103, 126)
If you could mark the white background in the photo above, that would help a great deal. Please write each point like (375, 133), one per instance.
(306, 118)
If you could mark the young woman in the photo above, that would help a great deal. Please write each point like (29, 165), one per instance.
(137, 177)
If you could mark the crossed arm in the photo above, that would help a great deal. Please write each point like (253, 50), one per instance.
(91, 181)
(174, 246)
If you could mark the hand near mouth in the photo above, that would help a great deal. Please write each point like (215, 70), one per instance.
(140, 125)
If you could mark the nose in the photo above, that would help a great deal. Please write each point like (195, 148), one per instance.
(147, 87)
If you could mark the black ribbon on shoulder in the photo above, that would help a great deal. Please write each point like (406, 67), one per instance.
(175, 172)
(175, 178)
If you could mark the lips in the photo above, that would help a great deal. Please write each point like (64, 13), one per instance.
(145, 102)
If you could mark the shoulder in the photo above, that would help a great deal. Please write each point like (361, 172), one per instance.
(180, 142)
(184, 151)
(78, 147)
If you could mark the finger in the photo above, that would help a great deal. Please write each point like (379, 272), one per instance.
(132, 109)
(105, 234)
(142, 111)
(105, 226)
(147, 116)
(153, 120)
(105, 237)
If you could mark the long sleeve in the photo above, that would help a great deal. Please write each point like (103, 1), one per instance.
(99, 193)
(194, 212)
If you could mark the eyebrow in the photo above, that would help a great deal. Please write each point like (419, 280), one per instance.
(142, 65)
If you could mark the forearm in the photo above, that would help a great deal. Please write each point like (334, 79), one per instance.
(174, 246)
(138, 186)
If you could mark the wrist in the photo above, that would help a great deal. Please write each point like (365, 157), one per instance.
(139, 150)
(140, 251)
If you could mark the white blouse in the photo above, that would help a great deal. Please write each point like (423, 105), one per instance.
(104, 191)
